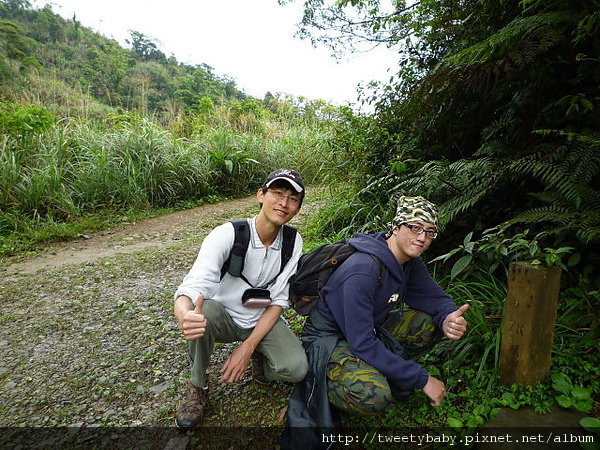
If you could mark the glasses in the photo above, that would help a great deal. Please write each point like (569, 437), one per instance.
(280, 195)
(418, 229)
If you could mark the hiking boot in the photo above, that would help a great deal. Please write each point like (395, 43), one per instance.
(193, 405)
(258, 368)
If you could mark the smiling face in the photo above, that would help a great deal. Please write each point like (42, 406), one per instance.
(279, 203)
(406, 245)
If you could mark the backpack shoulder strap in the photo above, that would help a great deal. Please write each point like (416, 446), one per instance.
(382, 269)
(234, 265)
(287, 247)
(235, 262)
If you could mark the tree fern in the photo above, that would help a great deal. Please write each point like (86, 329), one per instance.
(457, 186)
(569, 176)
(533, 35)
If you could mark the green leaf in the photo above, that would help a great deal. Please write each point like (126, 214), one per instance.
(494, 413)
(398, 167)
(467, 239)
(590, 424)
(581, 393)
(584, 406)
(561, 250)
(446, 256)
(460, 265)
(508, 398)
(475, 421)
(534, 250)
(564, 401)
(455, 423)
(561, 383)
(481, 410)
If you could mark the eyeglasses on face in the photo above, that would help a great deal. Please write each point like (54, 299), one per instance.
(280, 195)
(418, 229)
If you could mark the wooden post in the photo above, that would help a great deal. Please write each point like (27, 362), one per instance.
(529, 321)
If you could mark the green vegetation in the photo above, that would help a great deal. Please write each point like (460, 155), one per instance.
(83, 147)
(493, 116)
(75, 171)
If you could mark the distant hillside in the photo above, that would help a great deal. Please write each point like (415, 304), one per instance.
(73, 70)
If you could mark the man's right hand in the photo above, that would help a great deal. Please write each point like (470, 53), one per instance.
(192, 322)
(435, 390)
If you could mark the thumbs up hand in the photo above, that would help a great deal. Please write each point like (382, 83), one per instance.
(455, 324)
(192, 322)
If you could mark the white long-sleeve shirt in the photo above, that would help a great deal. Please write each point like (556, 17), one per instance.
(260, 267)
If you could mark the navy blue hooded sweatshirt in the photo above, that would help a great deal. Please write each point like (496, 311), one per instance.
(357, 301)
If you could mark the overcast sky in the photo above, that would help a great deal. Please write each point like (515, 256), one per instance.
(250, 41)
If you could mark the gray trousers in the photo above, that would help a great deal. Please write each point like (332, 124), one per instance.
(285, 359)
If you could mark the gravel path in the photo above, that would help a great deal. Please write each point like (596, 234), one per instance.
(87, 336)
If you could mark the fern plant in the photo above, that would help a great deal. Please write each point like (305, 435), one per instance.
(570, 199)
(521, 41)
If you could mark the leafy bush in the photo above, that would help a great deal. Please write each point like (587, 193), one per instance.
(496, 249)
(20, 119)
(571, 396)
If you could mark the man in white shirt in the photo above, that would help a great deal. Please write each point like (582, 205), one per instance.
(209, 309)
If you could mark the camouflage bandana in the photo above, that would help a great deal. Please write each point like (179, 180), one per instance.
(410, 209)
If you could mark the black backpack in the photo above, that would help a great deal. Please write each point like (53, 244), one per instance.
(315, 268)
(234, 265)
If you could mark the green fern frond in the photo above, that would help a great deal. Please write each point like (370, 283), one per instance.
(590, 234)
(552, 176)
(459, 204)
(506, 39)
(550, 213)
(461, 184)
(581, 218)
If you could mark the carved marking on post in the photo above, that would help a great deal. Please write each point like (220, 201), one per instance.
(529, 321)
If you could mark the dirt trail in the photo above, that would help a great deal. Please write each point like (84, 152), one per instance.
(161, 231)
(158, 232)
(87, 335)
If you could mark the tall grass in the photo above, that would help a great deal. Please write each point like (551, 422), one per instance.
(75, 169)
(136, 166)
(305, 148)
(485, 295)
(350, 211)
(34, 182)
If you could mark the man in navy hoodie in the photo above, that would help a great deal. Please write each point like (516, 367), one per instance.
(359, 354)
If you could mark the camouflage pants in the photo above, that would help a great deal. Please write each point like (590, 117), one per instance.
(355, 386)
